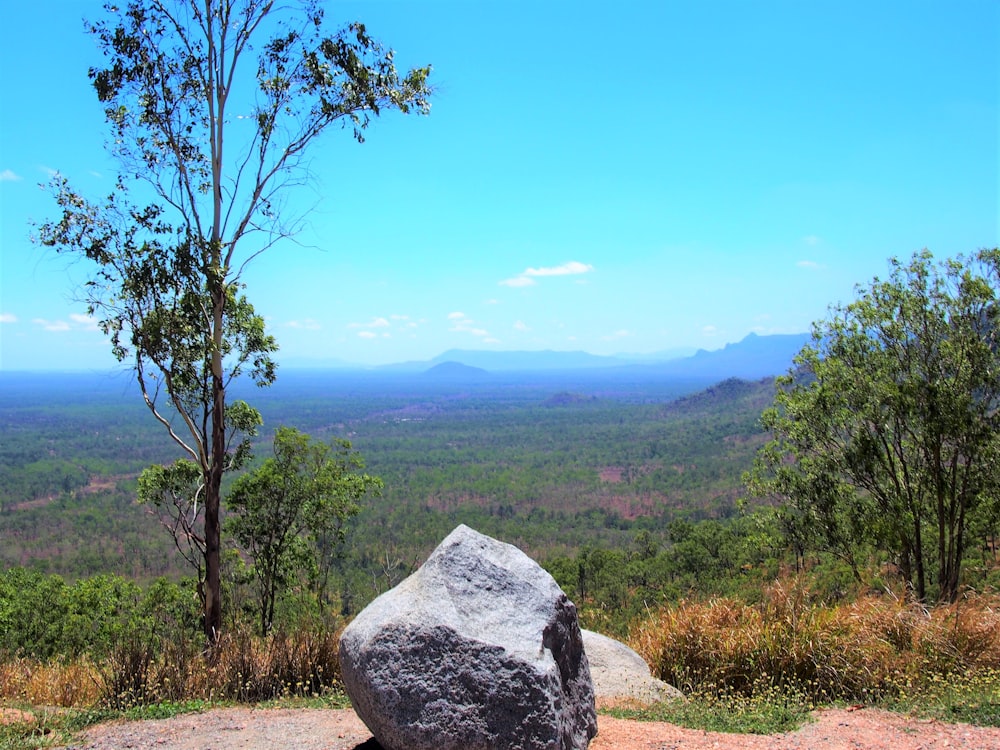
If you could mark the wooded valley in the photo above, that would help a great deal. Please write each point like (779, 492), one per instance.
(629, 491)
(558, 465)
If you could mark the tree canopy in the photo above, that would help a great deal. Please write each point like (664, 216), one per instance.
(197, 198)
(292, 509)
(885, 435)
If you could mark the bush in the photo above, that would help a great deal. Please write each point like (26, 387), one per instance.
(43, 617)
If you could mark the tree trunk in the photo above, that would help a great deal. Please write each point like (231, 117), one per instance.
(906, 565)
(918, 558)
(213, 488)
(945, 533)
(952, 566)
(213, 561)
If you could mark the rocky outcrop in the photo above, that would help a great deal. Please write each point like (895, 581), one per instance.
(479, 649)
(620, 675)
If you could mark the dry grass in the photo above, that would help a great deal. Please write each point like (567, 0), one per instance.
(874, 649)
(243, 668)
(59, 683)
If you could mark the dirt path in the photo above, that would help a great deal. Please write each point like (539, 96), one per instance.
(329, 729)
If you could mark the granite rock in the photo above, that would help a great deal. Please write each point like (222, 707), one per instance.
(479, 649)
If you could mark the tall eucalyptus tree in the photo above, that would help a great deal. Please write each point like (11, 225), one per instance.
(197, 199)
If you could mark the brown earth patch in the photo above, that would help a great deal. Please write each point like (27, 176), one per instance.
(16, 716)
(329, 729)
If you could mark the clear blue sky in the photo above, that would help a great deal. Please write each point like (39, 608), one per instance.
(610, 177)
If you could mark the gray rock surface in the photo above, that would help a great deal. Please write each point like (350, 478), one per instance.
(620, 674)
(478, 650)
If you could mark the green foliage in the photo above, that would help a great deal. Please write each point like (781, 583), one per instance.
(41, 616)
(32, 607)
(972, 699)
(176, 495)
(49, 728)
(886, 434)
(499, 458)
(773, 712)
(288, 514)
(686, 540)
(614, 588)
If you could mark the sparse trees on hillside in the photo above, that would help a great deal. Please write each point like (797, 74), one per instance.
(886, 435)
(212, 106)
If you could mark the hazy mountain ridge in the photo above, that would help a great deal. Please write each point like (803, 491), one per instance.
(451, 370)
(752, 358)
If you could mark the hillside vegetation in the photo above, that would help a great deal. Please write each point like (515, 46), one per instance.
(550, 469)
(630, 494)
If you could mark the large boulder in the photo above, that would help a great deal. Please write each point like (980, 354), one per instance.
(478, 650)
(620, 675)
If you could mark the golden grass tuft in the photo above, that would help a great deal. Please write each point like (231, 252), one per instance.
(243, 667)
(58, 683)
(873, 649)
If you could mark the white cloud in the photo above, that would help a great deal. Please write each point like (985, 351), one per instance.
(528, 276)
(518, 281)
(87, 322)
(566, 269)
(55, 326)
(77, 321)
(709, 330)
(375, 323)
(809, 264)
(520, 325)
(620, 334)
(306, 324)
(461, 323)
(8, 318)
(367, 335)
(9, 176)
(812, 240)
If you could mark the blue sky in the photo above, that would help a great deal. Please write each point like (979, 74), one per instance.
(611, 177)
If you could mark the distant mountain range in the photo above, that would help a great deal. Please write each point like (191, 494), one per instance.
(493, 361)
(752, 358)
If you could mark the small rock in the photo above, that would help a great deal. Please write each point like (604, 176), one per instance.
(620, 674)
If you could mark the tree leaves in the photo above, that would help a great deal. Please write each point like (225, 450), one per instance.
(293, 504)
